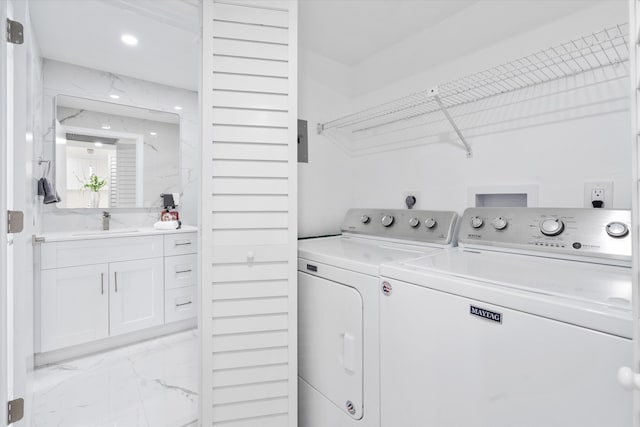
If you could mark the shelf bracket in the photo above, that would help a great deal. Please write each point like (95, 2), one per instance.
(452, 122)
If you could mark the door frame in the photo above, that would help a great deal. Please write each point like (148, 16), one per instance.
(4, 360)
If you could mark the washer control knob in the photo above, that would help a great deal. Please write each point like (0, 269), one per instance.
(551, 227)
(430, 222)
(365, 219)
(414, 222)
(387, 220)
(476, 222)
(500, 223)
(617, 229)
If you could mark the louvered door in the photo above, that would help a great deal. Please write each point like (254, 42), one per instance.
(249, 227)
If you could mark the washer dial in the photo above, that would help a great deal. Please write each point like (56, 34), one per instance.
(365, 219)
(387, 220)
(414, 222)
(500, 223)
(551, 227)
(476, 222)
(617, 229)
(430, 222)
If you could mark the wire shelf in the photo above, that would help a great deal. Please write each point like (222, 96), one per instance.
(605, 48)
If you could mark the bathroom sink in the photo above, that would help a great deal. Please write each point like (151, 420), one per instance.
(107, 232)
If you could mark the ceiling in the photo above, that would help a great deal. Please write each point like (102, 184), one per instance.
(87, 32)
(349, 31)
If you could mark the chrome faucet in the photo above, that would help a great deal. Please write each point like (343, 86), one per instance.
(106, 216)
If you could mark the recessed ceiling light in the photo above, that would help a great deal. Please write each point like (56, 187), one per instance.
(153, 133)
(128, 39)
(177, 107)
(114, 96)
(98, 144)
(106, 127)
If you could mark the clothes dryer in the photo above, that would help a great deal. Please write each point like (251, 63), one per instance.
(338, 314)
(524, 324)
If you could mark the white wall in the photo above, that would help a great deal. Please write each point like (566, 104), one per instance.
(67, 79)
(325, 183)
(556, 142)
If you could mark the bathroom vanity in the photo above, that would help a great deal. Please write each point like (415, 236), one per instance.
(105, 288)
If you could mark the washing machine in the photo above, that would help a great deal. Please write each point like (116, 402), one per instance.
(524, 324)
(338, 309)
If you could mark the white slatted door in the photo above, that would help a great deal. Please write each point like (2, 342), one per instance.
(249, 226)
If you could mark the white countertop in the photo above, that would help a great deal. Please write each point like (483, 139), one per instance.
(110, 234)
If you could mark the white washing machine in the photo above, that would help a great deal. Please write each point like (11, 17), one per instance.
(524, 324)
(338, 309)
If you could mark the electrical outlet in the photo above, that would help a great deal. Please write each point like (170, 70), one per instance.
(597, 197)
(597, 194)
(600, 192)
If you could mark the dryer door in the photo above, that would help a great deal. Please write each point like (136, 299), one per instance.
(330, 341)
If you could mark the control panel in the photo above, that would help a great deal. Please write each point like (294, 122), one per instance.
(602, 233)
(417, 225)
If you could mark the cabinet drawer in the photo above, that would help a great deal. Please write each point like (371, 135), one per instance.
(180, 304)
(180, 244)
(97, 251)
(180, 271)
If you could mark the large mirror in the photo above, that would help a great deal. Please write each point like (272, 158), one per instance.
(114, 156)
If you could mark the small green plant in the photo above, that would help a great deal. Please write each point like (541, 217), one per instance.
(95, 184)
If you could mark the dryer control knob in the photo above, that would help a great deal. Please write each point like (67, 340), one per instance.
(430, 222)
(500, 223)
(476, 222)
(617, 229)
(365, 219)
(387, 220)
(551, 227)
(414, 222)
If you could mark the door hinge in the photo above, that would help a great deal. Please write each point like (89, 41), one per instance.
(15, 221)
(15, 32)
(15, 410)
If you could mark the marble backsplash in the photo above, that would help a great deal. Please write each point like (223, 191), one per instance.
(67, 79)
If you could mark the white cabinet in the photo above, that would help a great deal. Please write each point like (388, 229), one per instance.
(136, 295)
(92, 289)
(180, 276)
(75, 306)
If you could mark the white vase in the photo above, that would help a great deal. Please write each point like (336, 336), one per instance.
(95, 199)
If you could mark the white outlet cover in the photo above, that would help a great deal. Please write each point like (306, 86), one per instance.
(608, 193)
(414, 193)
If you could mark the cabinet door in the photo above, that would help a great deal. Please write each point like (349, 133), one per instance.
(137, 295)
(74, 306)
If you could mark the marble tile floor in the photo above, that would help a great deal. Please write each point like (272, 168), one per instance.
(152, 384)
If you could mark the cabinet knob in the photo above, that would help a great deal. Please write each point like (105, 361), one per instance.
(250, 256)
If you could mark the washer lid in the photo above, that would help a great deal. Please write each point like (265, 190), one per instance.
(359, 254)
(581, 293)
